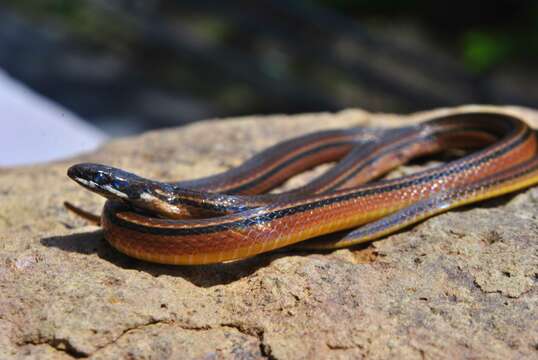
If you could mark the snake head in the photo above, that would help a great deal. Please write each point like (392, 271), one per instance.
(154, 197)
(108, 181)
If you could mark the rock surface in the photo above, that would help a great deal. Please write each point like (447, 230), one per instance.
(460, 285)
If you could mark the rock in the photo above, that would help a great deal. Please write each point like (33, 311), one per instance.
(460, 285)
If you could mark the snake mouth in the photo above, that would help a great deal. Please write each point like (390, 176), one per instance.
(81, 174)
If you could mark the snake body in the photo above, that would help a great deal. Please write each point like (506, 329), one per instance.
(229, 216)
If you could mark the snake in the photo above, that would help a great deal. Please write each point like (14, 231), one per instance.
(233, 215)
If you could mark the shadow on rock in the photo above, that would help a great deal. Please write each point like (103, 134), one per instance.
(200, 275)
(493, 203)
(213, 274)
(90, 243)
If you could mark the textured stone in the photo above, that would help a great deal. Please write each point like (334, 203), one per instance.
(460, 285)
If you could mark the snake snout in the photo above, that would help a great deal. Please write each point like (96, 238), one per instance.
(95, 177)
(107, 181)
(88, 172)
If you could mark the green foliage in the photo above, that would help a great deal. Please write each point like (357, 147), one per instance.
(482, 34)
(482, 50)
(79, 17)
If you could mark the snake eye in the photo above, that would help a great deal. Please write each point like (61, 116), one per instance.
(120, 184)
(101, 178)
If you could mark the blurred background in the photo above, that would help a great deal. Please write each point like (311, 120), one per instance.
(119, 67)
